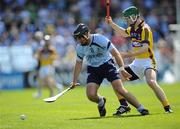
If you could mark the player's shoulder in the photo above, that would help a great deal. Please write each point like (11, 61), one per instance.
(98, 37)
(146, 26)
(79, 47)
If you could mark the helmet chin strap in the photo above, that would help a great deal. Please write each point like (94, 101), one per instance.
(134, 20)
(86, 37)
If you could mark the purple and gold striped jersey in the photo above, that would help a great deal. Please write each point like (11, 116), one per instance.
(140, 35)
(47, 56)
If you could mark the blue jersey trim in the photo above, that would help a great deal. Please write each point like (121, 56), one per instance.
(95, 44)
(80, 57)
(109, 43)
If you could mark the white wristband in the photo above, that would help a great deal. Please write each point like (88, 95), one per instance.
(121, 68)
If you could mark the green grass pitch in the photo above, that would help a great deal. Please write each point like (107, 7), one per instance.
(75, 111)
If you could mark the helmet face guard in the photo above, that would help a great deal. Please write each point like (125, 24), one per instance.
(131, 13)
(80, 31)
(78, 36)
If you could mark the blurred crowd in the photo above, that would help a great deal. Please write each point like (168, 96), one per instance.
(23, 21)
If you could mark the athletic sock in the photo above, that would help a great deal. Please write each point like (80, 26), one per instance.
(166, 105)
(101, 102)
(123, 102)
(140, 108)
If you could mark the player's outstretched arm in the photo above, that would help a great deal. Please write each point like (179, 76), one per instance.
(121, 31)
(130, 54)
(77, 70)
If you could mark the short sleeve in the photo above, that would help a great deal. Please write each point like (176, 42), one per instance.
(106, 42)
(79, 53)
(145, 35)
(110, 46)
(128, 31)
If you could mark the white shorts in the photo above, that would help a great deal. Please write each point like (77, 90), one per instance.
(45, 71)
(139, 66)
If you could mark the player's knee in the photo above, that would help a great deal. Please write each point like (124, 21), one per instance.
(91, 96)
(151, 82)
(120, 90)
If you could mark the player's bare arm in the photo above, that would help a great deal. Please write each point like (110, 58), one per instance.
(117, 57)
(121, 31)
(77, 70)
(129, 54)
(120, 63)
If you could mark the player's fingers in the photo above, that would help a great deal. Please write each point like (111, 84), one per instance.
(108, 19)
(126, 74)
(129, 75)
(73, 85)
(123, 77)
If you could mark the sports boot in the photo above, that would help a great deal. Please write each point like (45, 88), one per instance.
(122, 109)
(102, 109)
(168, 109)
(144, 112)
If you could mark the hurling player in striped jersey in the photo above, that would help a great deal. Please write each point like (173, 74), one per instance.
(144, 64)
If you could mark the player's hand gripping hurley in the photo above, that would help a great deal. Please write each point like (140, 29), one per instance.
(54, 98)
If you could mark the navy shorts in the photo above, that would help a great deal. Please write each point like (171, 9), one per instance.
(107, 70)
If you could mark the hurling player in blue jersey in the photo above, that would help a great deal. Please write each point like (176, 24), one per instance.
(99, 53)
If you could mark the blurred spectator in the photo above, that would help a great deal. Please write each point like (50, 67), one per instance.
(119, 41)
(21, 19)
(47, 56)
(165, 58)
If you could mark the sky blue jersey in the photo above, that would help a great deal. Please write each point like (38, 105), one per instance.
(97, 52)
